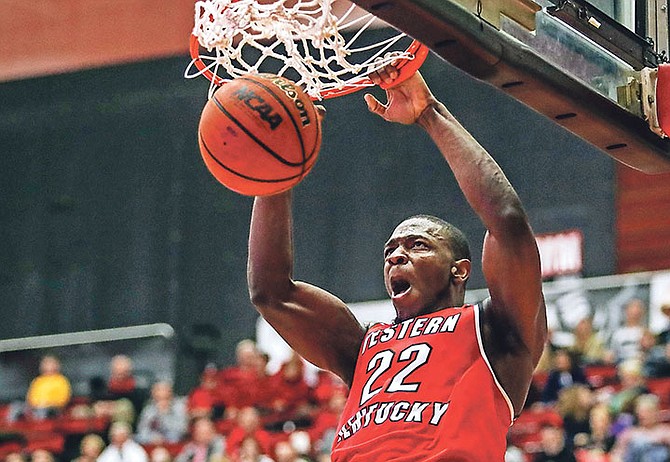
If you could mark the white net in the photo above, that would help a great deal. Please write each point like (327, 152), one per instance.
(300, 40)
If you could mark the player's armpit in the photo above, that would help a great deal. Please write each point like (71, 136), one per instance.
(318, 326)
(515, 318)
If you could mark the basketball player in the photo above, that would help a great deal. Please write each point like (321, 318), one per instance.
(445, 380)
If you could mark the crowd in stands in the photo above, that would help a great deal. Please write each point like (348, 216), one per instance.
(599, 399)
(595, 400)
(239, 413)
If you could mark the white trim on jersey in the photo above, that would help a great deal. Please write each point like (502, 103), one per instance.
(477, 307)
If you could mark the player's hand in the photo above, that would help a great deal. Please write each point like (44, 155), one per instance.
(405, 101)
(320, 112)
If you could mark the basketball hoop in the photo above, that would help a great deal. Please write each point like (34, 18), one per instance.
(302, 40)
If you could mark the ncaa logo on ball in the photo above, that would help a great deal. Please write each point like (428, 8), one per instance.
(259, 106)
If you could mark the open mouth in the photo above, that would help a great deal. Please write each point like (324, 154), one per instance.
(399, 287)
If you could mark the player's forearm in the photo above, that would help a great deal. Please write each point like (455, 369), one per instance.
(483, 183)
(270, 262)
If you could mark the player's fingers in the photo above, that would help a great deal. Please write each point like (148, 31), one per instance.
(388, 74)
(375, 77)
(374, 105)
(320, 112)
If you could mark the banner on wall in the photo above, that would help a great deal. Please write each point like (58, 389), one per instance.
(561, 253)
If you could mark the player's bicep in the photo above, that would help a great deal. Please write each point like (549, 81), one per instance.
(319, 327)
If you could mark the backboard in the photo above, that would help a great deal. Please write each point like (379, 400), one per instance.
(589, 66)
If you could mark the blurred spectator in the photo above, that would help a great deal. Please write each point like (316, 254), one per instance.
(301, 444)
(205, 444)
(324, 428)
(564, 373)
(285, 452)
(122, 448)
(250, 451)
(246, 362)
(514, 454)
(595, 445)
(327, 384)
(115, 410)
(574, 405)
(206, 400)
(90, 448)
(663, 337)
(164, 418)
(121, 382)
(546, 362)
(588, 346)
(291, 395)
(160, 454)
(625, 341)
(47, 395)
(657, 362)
(14, 457)
(248, 424)
(118, 397)
(245, 383)
(648, 440)
(552, 444)
(41, 455)
(632, 385)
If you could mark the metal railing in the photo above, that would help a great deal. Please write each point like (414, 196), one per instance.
(91, 336)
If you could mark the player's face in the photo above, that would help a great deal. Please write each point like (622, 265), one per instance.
(417, 268)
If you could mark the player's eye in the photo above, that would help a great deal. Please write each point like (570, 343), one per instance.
(419, 245)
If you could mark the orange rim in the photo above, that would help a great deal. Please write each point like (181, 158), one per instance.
(406, 67)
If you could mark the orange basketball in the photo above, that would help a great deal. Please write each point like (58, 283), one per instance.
(259, 134)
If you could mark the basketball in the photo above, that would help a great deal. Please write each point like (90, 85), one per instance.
(259, 134)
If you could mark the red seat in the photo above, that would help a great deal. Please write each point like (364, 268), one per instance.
(540, 378)
(4, 411)
(52, 442)
(29, 425)
(601, 375)
(661, 388)
(173, 448)
(526, 429)
(70, 425)
(10, 446)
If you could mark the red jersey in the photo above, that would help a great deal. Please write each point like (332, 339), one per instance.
(424, 390)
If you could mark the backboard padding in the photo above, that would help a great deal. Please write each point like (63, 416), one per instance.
(483, 51)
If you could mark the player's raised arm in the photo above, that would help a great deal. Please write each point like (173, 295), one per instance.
(515, 320)
(315, 323)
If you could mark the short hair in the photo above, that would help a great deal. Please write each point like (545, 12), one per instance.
(457, 241)
(647, 400)
(120, 426)
(92, 438)
(245, 344)
(632, 366)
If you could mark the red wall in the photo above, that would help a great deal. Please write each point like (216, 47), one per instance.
(642, 221)
(53, 36)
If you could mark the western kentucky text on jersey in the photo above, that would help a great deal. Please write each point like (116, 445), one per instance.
(411, 328)
(394, 411)
(423, 390)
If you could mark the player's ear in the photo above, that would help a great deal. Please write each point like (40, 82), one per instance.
(460, 270)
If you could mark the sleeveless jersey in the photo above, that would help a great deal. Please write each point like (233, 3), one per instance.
(423, 390)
